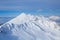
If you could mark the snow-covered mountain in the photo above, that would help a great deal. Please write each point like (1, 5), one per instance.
(30, 27)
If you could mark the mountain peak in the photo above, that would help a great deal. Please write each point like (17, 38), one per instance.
(22, 14)
(19, 19)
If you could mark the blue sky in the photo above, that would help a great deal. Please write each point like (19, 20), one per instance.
(12, 8)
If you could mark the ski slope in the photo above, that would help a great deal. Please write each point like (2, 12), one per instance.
(30, 27)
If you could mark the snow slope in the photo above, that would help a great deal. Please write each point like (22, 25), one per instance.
(30, 27)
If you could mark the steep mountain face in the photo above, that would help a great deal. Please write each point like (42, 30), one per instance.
(30, 27)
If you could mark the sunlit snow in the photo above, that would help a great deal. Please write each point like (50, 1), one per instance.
(30, 27)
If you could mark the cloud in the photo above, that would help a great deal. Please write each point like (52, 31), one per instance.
(15, 8)
(54, 17)
(39, 10)
(30, 4)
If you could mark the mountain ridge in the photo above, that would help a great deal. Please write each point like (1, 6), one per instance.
(30, 27)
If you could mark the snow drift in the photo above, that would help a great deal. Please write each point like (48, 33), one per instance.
(30, 27)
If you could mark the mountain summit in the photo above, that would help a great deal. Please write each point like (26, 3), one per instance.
(19, 19)
(30, 27)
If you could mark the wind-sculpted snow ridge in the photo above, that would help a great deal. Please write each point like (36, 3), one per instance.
(30, 27)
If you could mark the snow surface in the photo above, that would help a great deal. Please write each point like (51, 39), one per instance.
(30, 27)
